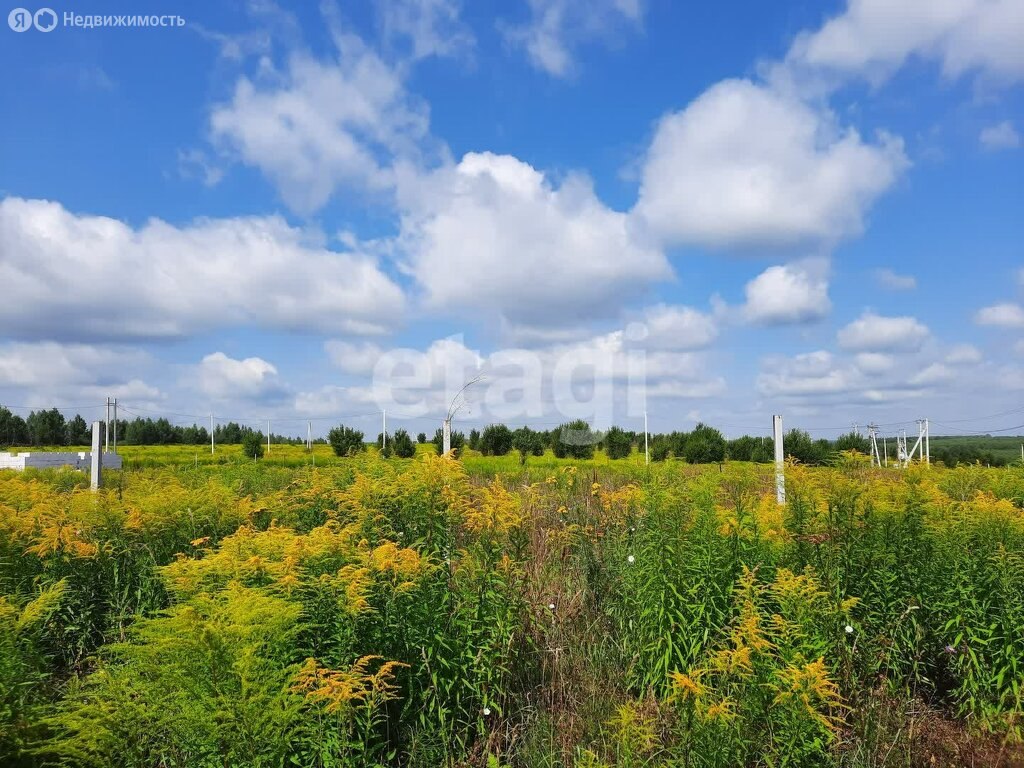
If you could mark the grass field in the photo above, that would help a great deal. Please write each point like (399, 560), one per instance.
(215, 611)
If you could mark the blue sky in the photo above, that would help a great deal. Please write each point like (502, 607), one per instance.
(706, 211)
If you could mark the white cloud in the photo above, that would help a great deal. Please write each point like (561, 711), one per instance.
(795, 293)
(493, 234)
(874, 362)
(678, 327)
(874, 333)
(46, 374)
(322, 125)
(963, 354)
(893, 281)
(1005, 315)
(67, 271)
(557, 27)
(936, 373)
(432, 27)
(1000, 136)
(873, 38)
(224, 378)
(744, 165)
(353, 357)
(810, 373)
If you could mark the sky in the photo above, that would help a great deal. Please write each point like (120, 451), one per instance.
(592, 209)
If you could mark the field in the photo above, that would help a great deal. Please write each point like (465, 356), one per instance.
(215, 611)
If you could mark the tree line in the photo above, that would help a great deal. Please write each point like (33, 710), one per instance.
(49, 428)
(702, 445)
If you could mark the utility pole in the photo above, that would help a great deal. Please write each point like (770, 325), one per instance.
(211, 434)
(268, 435)
(106, 430)
(309, 435)
(453, 408)
(647, 453)
(927, 445)
(885, 444)
(384, 429)
(780, 461)
(876, 459)
(115, 425)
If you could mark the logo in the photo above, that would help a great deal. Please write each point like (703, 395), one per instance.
(20, 19)
(45, 19)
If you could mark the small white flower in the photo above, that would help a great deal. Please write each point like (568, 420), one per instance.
(630, 559)
(487, 711)
(551, 606)
(849, 629)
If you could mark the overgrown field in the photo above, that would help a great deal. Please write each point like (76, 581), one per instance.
(434, 612)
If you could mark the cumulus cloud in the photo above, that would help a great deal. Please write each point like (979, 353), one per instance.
(875, 333)
(318, 126)
(678, 327)
(494, 234)
(748, 166)
(358, 358)
(46, 374)
(795, 293)
(873, 38)
(1005, 315)
(1000, 136)
(66, 270)
(222, 378)
(557, 27)
(894, 281)
(963, 354)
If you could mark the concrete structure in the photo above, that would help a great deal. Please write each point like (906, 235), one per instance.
(54, 459)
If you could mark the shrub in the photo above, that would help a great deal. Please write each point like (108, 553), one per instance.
(574, 440)
(402, 445)
(617, 443)
(252, 445)
(496, 440)
(458, 442)
(345, 440)
(705, 445)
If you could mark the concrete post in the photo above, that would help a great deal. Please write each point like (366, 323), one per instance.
(446, 436)
(96, 456)
(780, 461)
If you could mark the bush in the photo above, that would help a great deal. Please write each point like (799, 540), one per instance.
(252, 445)
(496, 440)
(574, 440)
(402, 445)
(705, 445)
(660, 448)
(617, 443)
(527, 442)
(346, 441)
(421, 438)
(458, 442)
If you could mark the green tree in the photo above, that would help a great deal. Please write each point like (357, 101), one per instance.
(252, 444)
(705, 445)
(527, 442)
(853, 441)
(496, 440)
(77, 432)
(458, 442)
(421, 438)
(46, 427)
(474, 439)
(345, 440)
(574, 440)
(402, 445)
(12, 429)
(618, 443)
